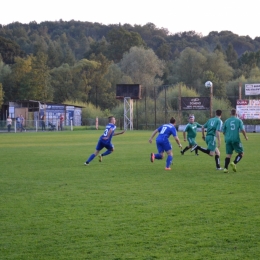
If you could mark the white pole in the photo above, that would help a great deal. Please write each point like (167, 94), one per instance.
(96, 123)
(71, 126)
(211, 101)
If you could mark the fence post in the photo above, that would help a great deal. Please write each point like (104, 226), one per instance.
(154, 108)
(96, 123)
(71, 126)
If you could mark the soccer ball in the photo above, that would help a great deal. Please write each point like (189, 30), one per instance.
(208, 84)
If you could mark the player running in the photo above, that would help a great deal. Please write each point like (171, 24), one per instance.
(191, 129)
(231, 130)
(213, 126)
(105, 141)
(163, 144)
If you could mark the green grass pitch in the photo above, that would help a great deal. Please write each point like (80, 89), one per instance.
(54, 207)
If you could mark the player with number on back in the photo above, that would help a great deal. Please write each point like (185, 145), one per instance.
(105, 141)
(163, 144)
(213, 126)
(231, 129)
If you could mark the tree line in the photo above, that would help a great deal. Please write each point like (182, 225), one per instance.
(83, 61)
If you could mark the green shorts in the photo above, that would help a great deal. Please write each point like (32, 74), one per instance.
(234, 146)
(211, 142)
(191, 141)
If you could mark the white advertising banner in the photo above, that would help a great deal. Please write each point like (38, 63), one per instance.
(248, 109)
(252, 89)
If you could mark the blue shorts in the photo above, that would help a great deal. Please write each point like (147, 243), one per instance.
(163, 146)
(102, 144)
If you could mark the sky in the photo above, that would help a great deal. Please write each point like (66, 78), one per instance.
(201, 16)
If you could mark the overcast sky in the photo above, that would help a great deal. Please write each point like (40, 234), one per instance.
(201, 16)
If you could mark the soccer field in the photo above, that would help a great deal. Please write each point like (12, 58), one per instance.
(54, 207)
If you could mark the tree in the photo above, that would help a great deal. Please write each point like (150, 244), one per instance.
(116, 76)
(248, 61)
(62, 83)
(39, 44)
(255, 73)
(189, 67)
(69, 57)
(218, 48)
(4, 70)
(144, 67)
(18, 85)
(84, 75)
(29, 79)
(164, 51)
(39, 79)
(221, 70)
(97, 47)
(9, 50)
(208, 75)
(121, 41)
(55, 57)
(73, 82)
(102, 93)
(83, 46)
(232, 56)
(1, 95)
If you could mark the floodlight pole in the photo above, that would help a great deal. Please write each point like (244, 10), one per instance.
(128, 113)
(211, 101)
(240, 86)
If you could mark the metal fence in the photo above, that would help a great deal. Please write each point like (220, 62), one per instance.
(163, 103)
(34, 126)
(92, 124)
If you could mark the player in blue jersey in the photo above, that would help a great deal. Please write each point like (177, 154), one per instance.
(105, 141)
(163, 144)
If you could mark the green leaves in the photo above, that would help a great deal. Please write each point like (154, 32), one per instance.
(121, 41)
(1, 95)
(9, 50)
(143, 66)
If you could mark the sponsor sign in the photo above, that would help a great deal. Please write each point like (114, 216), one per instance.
(55, 108)
(195, 103)
(53, 112)
(252, 89)
(248, 109)
(11, 112)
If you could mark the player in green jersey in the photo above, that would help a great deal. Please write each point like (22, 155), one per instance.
(191, 129)
(231, 130)
(213, 126)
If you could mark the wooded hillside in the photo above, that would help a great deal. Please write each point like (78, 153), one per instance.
(73, 60)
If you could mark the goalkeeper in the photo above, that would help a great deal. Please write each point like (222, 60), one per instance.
(162, 142)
